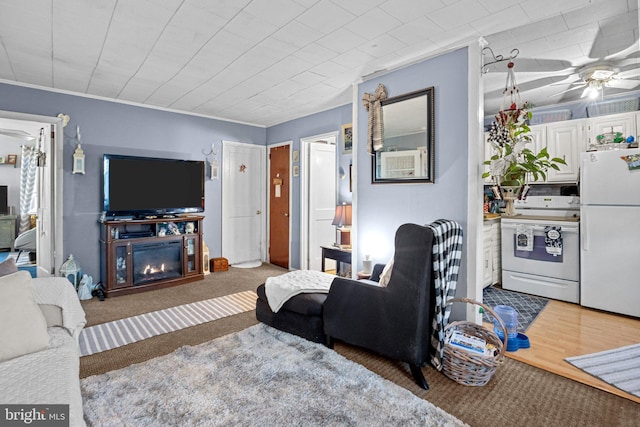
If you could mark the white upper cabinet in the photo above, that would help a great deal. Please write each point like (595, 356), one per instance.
(623, 122)
(565, 140)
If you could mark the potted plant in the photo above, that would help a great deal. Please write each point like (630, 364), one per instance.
(512, 159)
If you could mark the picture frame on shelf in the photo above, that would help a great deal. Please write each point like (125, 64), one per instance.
(347, 138)
(12, 159)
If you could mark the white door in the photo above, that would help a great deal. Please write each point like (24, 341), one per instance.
(322, 200)
(565, 140)
(243, 190)
(44, 243)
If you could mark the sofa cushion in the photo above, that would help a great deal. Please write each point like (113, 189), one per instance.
(305, 304)
(23, 326)
(8, 266)
(385, 276)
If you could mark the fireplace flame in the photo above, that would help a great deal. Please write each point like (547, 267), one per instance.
(152, 270)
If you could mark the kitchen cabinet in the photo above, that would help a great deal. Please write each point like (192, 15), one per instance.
(491, 262)
(566, 141)
(623, 122)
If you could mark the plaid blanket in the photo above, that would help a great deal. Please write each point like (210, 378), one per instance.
(447, 251)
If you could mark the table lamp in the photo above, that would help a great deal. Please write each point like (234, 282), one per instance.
(342, 219)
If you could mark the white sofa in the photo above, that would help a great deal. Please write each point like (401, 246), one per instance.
(50, 375)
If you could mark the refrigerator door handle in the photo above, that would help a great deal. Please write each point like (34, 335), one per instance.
(585, 234)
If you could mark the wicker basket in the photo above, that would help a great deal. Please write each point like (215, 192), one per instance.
(470, 368)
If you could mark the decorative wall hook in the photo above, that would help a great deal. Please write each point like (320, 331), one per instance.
(497, 58)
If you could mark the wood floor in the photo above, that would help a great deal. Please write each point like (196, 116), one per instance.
(564, 330)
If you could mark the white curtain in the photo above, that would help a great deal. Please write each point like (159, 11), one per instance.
(28, 174)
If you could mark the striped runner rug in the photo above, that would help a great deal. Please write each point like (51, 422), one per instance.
(107, 336)
(619, 367)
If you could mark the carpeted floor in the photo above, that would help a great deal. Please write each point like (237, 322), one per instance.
(517, 394)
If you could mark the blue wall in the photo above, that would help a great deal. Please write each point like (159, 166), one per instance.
(294, 130)
(381, 208)
(110, 127)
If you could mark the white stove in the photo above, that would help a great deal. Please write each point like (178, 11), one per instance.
(541, 247)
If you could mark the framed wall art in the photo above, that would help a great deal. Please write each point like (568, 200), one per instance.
(347, 138)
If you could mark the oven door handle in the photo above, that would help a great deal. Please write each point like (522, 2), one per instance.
(564, 229)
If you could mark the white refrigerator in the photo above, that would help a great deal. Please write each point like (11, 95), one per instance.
(610, 231)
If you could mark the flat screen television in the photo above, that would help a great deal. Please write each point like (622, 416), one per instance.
(4, 200)
(145, 186)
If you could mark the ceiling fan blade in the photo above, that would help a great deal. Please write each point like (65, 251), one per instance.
(623, 84)
(606, 46)
(20, 134)
(569, 90)
(634, 72)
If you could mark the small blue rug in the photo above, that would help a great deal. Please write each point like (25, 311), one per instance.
(527, 306)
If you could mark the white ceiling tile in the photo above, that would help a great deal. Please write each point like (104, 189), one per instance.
(536, 30)
(341, 40)
(374, 23)
(326, 17)
(359, 7)
(226, 9)
(595, 12)
(297, 34)
(458, 14)
(250, 27)
(276, 12)
(540, 9)
(500, 20)
(315, 54)
(420, 29)
(382, 46)
(409, 10)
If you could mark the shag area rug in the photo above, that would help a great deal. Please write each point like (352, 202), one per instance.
(259, 376)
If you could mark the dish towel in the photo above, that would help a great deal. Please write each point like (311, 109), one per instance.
(553, 240)
(524, 237)
(447, 251)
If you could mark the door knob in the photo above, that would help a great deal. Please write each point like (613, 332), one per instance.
(287, 214)
(258, 212)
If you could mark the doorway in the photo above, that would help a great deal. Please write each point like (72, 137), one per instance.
(279, 204)
(318, 197)
(243, 202)
(48, 207)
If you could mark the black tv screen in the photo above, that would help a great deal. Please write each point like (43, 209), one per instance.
(4, 200)
(145, 186)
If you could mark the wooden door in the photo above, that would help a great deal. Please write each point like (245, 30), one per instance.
(279, 186)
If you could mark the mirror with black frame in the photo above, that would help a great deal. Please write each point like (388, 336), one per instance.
(407, 154)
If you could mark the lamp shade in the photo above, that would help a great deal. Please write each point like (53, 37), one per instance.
(342, 216)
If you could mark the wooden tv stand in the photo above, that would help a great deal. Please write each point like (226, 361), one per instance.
(144, 254)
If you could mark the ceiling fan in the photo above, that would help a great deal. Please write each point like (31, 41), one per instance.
(593, 78)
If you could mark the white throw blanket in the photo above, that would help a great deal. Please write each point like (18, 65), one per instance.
(60, 292)
(280, 288)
